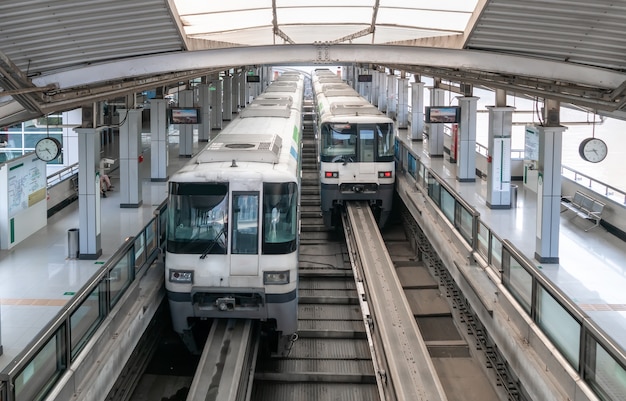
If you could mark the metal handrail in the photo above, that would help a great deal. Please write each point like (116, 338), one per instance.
(607, 188)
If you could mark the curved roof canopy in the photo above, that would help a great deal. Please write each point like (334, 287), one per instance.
(60, 54)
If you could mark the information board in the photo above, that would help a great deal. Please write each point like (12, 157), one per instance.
(531, 143)
(26, 185)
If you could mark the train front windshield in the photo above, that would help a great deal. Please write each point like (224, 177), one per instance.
(197, 216)
(356, 142)
(280, 203)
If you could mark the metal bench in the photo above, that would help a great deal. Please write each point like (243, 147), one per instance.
(584, 206)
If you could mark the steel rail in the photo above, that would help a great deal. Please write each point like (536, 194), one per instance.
(227, 362)
(410, 374)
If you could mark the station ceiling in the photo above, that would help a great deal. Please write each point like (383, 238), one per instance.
(60, 54)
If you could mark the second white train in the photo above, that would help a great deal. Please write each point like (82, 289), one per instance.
(356, 149)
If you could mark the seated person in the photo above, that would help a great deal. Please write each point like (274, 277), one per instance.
(105, 185)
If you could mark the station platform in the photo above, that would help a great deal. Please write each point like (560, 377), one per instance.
(592, 264)
(37, 278)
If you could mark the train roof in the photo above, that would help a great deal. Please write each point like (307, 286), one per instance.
(243, 147)
(262, 133)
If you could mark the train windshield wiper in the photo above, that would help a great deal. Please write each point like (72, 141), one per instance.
(215, 240)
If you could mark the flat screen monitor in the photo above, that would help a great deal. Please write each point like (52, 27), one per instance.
(184, 115)
(442, 114)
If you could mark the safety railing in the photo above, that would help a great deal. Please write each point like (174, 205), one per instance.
(516, 154)
(599, 360)
(36, 370)
(595, 185)
(62, 175)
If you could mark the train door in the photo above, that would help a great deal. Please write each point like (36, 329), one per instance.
(244, 234)
(366, 149)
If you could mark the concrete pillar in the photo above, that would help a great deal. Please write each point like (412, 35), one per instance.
(227, 106)
(549, 194)
(185, 131)
(215, 91)
(392, 93)
(464, 140)
(402, 108)
(375, 88)
(204, 101)
(365, 84)
(243, 91)
(130, 157)
(234, 98)
(90, 247)
(434, 136)
(499, 157)
(382, 92)
(417, 111)
(158, 140)
(70, 136)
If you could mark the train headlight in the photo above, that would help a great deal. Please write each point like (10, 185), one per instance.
(276, 277)
(385, 174)
(181, 276)
(331, 174)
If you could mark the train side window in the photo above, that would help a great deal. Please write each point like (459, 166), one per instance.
(337, 140)
(245, 224)
(197, 217)
(385, 137)
(280, 222)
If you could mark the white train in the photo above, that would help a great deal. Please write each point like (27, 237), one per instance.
(355, 148)
(233, 220)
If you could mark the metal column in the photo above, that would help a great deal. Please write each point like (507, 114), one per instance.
(130, 157)
(158, 140)
(499, 157)
(90, 247)
(549, 194)
(464, 140)
(417, 111)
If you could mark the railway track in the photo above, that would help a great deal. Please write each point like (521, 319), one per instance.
(374, 324)
(331, 359)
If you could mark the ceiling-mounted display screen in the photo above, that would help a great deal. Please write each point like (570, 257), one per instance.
(184, 115)
(442, 114)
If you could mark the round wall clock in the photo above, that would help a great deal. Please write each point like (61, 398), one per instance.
(48, 149)
(593, 150)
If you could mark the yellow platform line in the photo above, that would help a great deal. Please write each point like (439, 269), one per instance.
(32, 302)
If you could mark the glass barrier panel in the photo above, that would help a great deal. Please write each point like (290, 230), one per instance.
(120, 277)
(466, 224)
(140, 250)
(434, 188)
(561, 327)
(412, 164)
(603, 373)
(151, 237)
(518, 281)
(86, 319)
(447, 204)
(496, 252)
(162, 225)
(39, 376)
(422, 175)
(483, 241)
